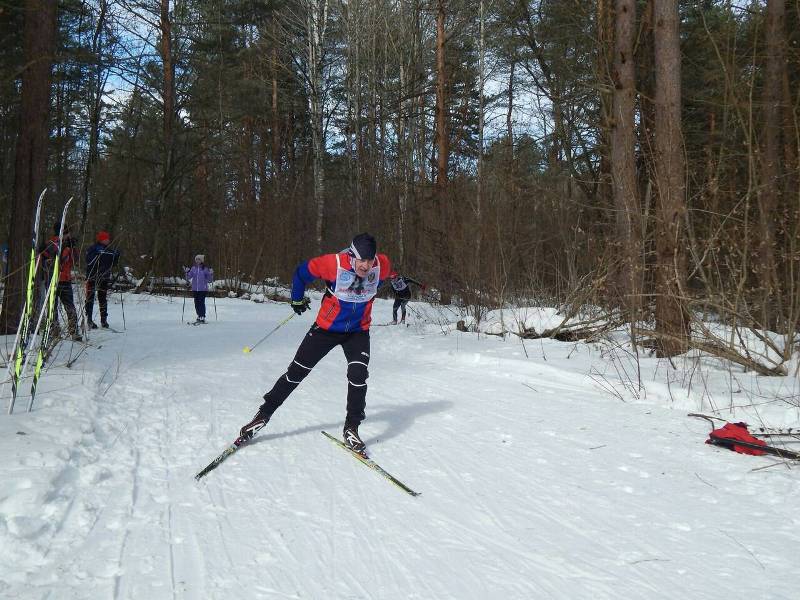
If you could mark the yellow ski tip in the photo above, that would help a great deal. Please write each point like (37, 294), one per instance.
(246, 350)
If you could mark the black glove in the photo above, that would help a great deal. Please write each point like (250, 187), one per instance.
(301, 306)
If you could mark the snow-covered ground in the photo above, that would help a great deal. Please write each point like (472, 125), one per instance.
(545, 471)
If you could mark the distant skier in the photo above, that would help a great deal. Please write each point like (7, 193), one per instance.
(199, 276)
(352, 277)
(100, 260)
(66, 246)
(402, 294)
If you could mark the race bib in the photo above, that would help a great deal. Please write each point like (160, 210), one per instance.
(399, 284)
(349, 287)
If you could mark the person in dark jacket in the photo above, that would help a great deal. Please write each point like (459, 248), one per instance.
(66, 248)
(402, 294)
(100, 260)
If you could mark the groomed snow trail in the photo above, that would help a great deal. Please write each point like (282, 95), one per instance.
(535, 482)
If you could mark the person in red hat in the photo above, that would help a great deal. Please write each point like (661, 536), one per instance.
(100, 260)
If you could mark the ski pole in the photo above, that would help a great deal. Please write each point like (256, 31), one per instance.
(122, 303)
(214, 298)
(183, 310)
(249, 349)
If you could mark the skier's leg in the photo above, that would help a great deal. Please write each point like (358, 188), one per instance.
(65, 292)
(403, 311)
(89, 306)
(315, 345)
(198, 304)
(356, 350)
(102, 300)
(397, 303)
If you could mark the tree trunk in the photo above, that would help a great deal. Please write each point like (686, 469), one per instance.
(276, 122)
(96, 86)
(770, 184)
(316, 26)
(672, 324)
(401, 168)
(623, 159)
(481, 123)
(30, 167)
(168, 130)
(442, 141)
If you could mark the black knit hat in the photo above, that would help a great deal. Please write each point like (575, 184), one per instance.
(57, 228)
(363, 246)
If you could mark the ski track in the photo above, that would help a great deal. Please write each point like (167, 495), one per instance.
(534, 482)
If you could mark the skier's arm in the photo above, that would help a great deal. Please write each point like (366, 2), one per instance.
(91, 257)
(49, 250)
(321, 267)
(414, 281)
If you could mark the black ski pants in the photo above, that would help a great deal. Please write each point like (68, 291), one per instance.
(101, 287)
(401, 304)
(64, 295)
(200, 303)
(315, 345)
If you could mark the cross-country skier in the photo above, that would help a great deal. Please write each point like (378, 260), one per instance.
(352, 277)
(64, 287)
(100, 260)
(402, 294)
(200, 276)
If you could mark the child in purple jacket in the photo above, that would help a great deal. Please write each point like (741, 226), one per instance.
(199, 276)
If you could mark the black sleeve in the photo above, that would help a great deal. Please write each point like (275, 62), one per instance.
(414, 281)
(49, 251)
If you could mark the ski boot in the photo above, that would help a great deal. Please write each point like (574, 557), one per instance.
(247, 432)
(352, 441)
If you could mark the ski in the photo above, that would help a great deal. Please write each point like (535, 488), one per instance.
(364, 459)
(49, 306)
(23, 337)
(730, 443)
(218, 461)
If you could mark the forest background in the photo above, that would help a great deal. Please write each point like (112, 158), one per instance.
(638, 158)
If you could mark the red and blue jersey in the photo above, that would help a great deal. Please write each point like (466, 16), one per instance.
(347, 303)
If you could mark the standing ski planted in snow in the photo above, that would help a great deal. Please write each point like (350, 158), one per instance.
(58, 288)
(23, 338)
